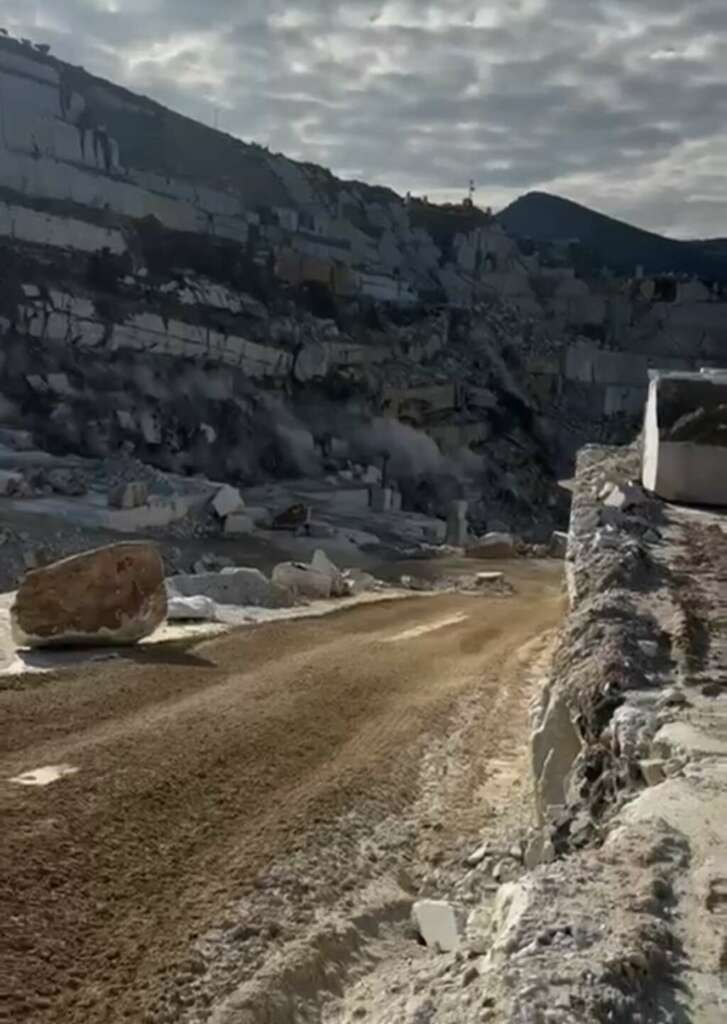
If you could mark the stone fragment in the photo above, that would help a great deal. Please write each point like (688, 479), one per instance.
(10, 482)
(129, 495)
(478, 855)
(558, 544)
(360, 582)
(625, 497)
(653, 771)
(506, 870)
(438, 924)
(649, 647)
(227, 501)
(67, 481)
(479, 929)
(372, 475)
(312, 362)
(292, 518)
(486, 579)
(380, 498)
(113, 595)
(239, 523)
(302, 580)
(554, 747)
(493, 545)
(238, 586)
(539, 850)
(19, 440)
(198, 608)
(259, 514)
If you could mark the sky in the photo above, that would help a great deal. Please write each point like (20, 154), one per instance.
(618, 104)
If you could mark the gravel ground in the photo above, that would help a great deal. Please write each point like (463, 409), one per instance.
(234, 800)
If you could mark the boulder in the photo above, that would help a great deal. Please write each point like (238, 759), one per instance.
(239, 523)
(227, 501)
(302, 580)
(438, 924)
(129, 495)
(198, 608)
(322, 563)
(231, 586)
(360, 582)
(113, 595)
(493, 545)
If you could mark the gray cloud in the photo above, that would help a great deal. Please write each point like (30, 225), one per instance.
(620, 104)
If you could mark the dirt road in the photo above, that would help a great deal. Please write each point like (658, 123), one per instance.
(196, 769)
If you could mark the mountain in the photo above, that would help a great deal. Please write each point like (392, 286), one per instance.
(546, 219)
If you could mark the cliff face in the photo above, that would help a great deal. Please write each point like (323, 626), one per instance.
(221, 309)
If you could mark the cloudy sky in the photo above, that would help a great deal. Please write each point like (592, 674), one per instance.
(620, 104)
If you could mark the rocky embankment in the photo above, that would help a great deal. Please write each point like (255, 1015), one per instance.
(614, 908)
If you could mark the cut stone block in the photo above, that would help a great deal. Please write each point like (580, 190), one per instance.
(685, 437)
(380, 499)
(239, 523)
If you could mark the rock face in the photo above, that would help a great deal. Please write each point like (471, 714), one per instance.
(231, 586)
(113, 595)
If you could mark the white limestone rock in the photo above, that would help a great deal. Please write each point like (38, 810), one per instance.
(303, 580)
(198, 608)
(227, 501)
(438, 924)
(322, 563)
(238, 586)
(558, 544)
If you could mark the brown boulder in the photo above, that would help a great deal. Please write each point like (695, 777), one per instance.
(113, 595)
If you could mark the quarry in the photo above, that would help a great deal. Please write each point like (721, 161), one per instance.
(361, 596)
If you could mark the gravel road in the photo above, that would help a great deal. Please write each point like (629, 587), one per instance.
(198, 767)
